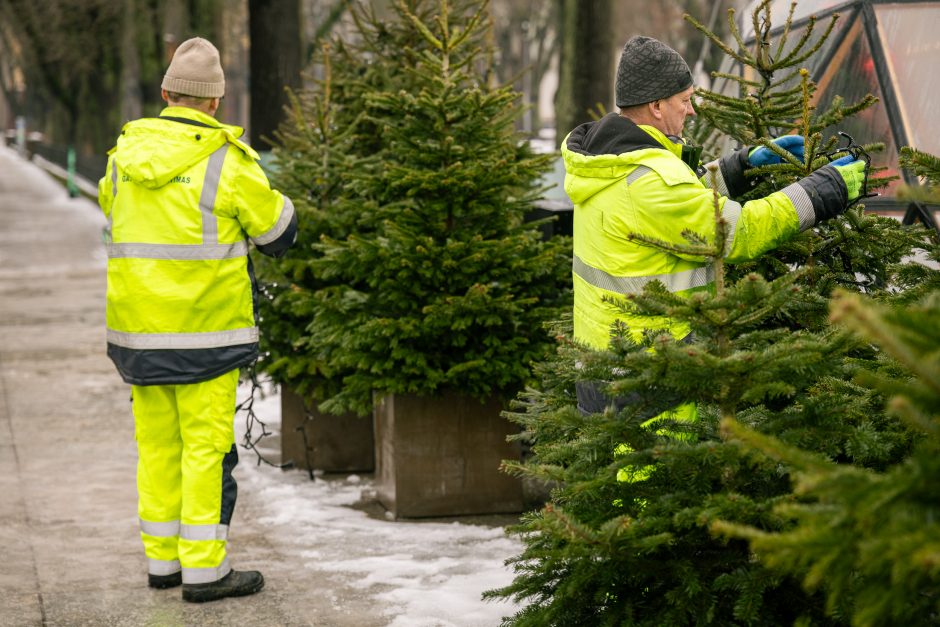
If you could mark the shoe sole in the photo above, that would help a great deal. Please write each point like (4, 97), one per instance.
(162, 583)
(203, 597)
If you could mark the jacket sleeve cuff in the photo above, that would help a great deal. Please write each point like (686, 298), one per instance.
(716, 182)
(732, 171)
(827, 192)
(282, 235)
(802, 204)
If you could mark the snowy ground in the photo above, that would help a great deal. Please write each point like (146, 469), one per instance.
(425, 574)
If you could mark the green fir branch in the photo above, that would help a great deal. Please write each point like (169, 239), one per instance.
(849, 309)
(794, 60)
(785, 34)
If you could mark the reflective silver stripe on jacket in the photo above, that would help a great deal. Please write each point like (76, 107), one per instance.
(160, 529)
(206, 575)
(210, 248)
(210, 188)
(181, 252)
(162, 567)
(173, 341)
(114, 177)
(720, 184)
(677, 282)
(802, 203)
(641, 170)
(203, 532)
(287, 212)
(731, 212)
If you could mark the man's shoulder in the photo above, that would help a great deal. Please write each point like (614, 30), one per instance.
(246, 151)
(670, 168)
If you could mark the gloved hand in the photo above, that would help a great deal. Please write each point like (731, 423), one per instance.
(825, 198)
(852, 172)
(764, 156)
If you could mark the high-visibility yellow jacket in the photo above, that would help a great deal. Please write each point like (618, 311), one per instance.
(183, 196)
(623, 179)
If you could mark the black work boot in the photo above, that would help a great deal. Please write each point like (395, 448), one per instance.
(234, 584)
(162, 582)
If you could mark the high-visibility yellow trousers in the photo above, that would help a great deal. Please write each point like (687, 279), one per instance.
(686, 412)
(186, 494)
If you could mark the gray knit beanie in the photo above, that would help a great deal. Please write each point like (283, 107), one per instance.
(195, 70)
(650, 70)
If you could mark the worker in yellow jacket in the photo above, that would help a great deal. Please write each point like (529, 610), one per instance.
(630, 172)
(183, 197)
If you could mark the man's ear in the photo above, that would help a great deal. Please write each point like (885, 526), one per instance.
(165, 96)
(656, 110)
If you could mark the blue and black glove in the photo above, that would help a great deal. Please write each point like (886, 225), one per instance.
(732, 167)
(764, 156)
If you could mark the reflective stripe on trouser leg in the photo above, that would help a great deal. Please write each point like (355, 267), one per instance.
(160, 544)
(207, 414)
(159, 484)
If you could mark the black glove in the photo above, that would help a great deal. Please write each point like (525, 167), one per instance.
(732, 172)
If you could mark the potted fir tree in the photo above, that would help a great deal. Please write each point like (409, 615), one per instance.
(436, 302)
(327, 135)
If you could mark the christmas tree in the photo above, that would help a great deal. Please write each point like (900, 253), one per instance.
(918, 279)
(628, 537)
(445, 285)
(330, 134)
(869, 538)
(774, 96)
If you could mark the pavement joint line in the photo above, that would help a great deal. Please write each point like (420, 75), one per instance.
(8, 417)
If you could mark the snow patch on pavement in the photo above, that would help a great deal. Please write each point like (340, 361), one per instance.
(425, 574)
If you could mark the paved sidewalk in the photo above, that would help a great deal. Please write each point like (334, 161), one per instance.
(70, 553)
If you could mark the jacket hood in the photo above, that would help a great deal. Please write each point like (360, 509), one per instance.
(599, 154)
(152, 151)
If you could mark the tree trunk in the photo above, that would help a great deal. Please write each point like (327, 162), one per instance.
(586, 72)
(274, 29)
(131, 97)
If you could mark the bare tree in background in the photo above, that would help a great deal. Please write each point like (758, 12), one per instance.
(70, 48)
(526, 40)
(592, 34)
(585, 81)
(84, 67)
(275, 62)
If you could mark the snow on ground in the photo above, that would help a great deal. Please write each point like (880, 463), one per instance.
(424, 574)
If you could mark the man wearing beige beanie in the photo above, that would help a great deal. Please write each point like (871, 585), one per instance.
(183, 197)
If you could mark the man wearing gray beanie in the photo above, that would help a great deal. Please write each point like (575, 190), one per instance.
(631, 173)
(184, 196)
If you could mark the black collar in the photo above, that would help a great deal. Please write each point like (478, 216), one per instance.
(186, 121)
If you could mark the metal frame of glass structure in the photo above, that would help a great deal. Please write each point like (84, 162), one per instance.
(859, 18)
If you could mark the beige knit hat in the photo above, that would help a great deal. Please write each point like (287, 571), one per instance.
(195, 70)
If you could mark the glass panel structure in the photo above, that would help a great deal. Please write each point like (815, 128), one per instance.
(780, 9)
(910, 37)
(814, 63)
(888, 48)
(851, 74)
(820, 56)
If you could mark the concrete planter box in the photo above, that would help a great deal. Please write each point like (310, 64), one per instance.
(333, 443)
(440, 456)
